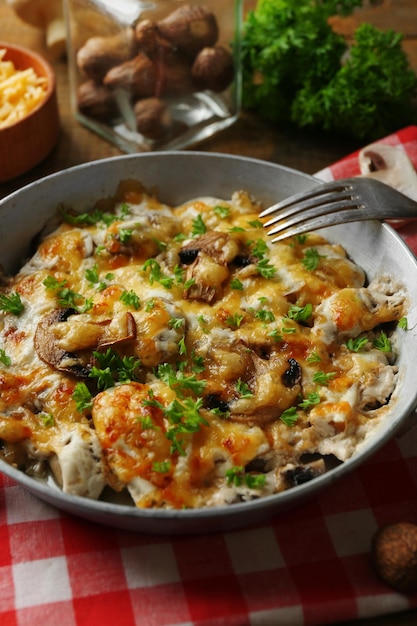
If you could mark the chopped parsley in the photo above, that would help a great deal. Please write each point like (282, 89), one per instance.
(130, 298)
(68, 297)
(236, 476)
(314, 357)
(47, 419)
(300, 313)
(162, 467)
(93, 277)
(82, 397)
(265, 269)
(321, 378)
(222, 211)
(177, 380)
(6, 360)
(243, 389)
(184, 417)
(235, 320)
(156, 274)
(289, 416)
(235, 283)
(11, 303)
(382, 343)
(403, 323)
(198, 226)
(91, 218)
(356, 345)
(112, 368)
(310, 400)
(311, 259)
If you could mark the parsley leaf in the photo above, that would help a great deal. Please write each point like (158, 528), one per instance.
(382, 343)
(6, 360)
(243, 389)
(355, 345)
(198, 226)
(300, 313)
(82, 396)
(289, 416)
(11, 303)
(311, 259)
(321, 378)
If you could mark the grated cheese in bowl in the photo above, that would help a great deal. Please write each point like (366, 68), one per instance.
(21, 91)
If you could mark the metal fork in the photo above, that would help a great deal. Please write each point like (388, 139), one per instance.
(338, 202)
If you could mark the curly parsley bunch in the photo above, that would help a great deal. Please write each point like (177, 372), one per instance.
(297, 69)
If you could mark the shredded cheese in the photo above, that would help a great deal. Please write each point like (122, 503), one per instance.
(21, 91)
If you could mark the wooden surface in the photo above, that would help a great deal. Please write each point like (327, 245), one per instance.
(248, 137)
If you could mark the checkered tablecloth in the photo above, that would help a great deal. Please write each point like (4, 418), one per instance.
(310, 566)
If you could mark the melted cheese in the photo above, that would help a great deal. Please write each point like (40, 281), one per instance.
(210, 361)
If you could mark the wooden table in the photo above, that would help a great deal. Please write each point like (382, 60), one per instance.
(308, 152)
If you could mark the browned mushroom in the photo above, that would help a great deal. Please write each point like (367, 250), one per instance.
(68, 345)
(254, 389)
(207, 258)
(122, 332)
(47, 348)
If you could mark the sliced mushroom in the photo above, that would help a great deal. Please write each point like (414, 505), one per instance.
(212, 252)
(221, 247)
(391, 166)
(269, 396)
(47, 348)
(122, 332)
(299, 474)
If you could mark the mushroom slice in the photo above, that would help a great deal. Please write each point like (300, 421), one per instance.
(209, 256)
(121, 332)
(221, 247)
(47, 348)
(391, 166)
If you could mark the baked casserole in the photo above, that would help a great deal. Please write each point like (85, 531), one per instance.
(176, 355)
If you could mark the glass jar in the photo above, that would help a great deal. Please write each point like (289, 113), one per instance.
(154, 75)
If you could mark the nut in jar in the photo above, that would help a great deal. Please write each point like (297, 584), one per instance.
(154, 75)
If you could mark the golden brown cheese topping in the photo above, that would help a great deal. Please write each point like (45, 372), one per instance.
(176, 354)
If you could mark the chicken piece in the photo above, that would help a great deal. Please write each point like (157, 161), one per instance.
(133, 437)
(349, 312)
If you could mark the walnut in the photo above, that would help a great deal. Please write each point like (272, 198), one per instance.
(394, 556)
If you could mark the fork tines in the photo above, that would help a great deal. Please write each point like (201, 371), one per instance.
(302, 212)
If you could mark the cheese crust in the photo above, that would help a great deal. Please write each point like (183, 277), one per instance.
(175, 354)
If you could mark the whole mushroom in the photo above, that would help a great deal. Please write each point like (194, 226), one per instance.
(190, 28)
(394, 555)
(48, 16)
(213, 68)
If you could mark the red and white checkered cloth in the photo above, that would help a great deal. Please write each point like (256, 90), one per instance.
(310, 566)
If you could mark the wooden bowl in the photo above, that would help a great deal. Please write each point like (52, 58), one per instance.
(28, 141)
